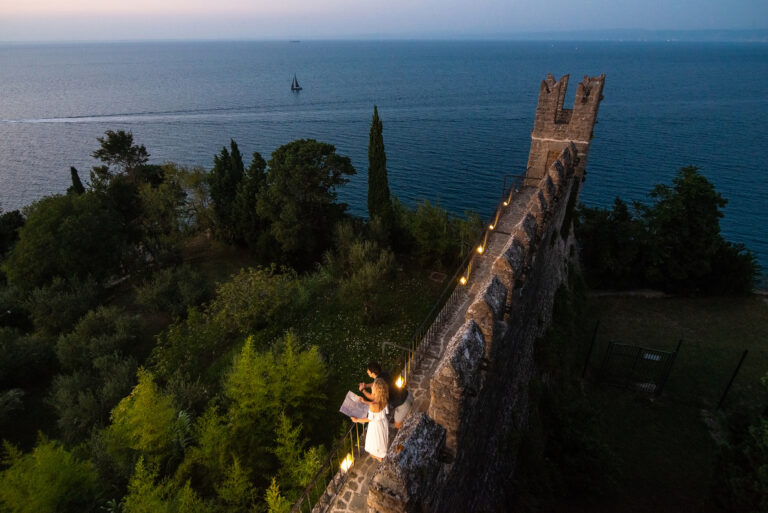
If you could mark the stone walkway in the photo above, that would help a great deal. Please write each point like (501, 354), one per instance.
(354, 494)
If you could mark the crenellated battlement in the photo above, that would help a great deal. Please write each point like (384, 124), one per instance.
(555, 126)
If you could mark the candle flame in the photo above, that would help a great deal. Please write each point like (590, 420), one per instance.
(347, 462)
(479, 249)
(463, 280)
(399, 382)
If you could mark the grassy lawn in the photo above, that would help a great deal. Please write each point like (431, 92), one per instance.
(666, 451)
(348, 344)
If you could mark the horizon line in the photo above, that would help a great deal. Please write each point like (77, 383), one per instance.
(608, 35)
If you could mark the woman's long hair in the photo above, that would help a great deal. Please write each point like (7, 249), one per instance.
(380, 392)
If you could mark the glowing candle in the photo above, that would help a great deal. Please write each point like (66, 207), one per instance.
(347, 462)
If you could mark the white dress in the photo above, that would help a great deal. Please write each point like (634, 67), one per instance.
(377, 437)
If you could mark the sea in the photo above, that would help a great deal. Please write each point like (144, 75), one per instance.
(457, 116)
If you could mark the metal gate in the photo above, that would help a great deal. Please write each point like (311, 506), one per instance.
(637, 368)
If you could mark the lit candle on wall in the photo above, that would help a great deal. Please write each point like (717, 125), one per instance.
(347, 462)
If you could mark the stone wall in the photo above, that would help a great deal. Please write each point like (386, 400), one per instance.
(479, 391)
(461, 455)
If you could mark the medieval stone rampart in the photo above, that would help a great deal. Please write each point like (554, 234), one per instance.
(461, 455)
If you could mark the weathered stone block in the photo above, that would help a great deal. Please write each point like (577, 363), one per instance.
(456, 380)
(528, 225)
(516, 255)
(405, 480)
(548, 190)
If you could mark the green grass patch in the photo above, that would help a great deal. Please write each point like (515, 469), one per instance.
(348, 344)
(666, 451)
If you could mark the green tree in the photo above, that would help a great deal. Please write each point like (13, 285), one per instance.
(49, 478)
(613, 246)
(224, 180)
(145, 423)
(147, 495)
(379, 203)
(160, 219)
(673, 244)
(25, 359)
(276, 503)
(684, 229)
(69, 236)
(55, 308)
(236, 491)
(97, 371)
(251, 228)
(370, 269)
(77, 186)
(117, 149)
(10, 224)
(299, 199)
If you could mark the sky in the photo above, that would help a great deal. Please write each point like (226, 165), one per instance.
(78, 20)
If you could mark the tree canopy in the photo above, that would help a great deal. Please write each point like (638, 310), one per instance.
(673, 244)
(299, 200)
(73, 236)
(117, 149)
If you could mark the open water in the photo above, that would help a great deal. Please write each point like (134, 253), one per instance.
(457, 115)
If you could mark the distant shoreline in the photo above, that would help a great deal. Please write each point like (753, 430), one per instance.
(614, 35)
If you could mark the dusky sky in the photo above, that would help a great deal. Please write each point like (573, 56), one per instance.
(64, 20)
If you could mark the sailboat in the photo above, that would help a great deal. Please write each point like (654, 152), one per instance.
(295, 85)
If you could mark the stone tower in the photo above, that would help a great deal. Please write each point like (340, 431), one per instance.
(554, 126)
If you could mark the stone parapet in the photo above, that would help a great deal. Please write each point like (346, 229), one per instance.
(406, 478)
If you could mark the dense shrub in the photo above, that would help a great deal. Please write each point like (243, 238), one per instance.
(256, 301)
(740, 482)
(98, 367)
(25, 360)
(173, 290)
(49, 478)
(69, 236)
(56, 307)
(432, 235)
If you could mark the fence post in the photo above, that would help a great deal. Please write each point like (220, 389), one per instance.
(735, 372)
(668, 369)
(591, 346)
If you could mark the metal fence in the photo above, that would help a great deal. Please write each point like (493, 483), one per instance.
(638, 368)
(329, 480)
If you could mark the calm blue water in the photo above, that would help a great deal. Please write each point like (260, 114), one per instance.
(457, 116)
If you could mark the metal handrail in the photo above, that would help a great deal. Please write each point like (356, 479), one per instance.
(328, 466)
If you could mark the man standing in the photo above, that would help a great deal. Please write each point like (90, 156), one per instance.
(400, 398)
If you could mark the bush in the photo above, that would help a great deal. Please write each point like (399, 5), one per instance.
(55, 308)
(50, 478)
(173, 290)
(432, 235)
(25, 360)
(741, 475)
(98, 371)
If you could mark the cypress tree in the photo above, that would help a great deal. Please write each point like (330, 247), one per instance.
(77, 185)
(379, 204)
(224, 179)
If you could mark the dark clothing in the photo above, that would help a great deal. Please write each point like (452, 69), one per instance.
(397, 396)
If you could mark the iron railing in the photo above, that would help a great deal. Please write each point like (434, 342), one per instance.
(331, 479)
(328, 481)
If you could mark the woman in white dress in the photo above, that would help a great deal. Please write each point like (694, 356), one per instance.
(377, 437)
